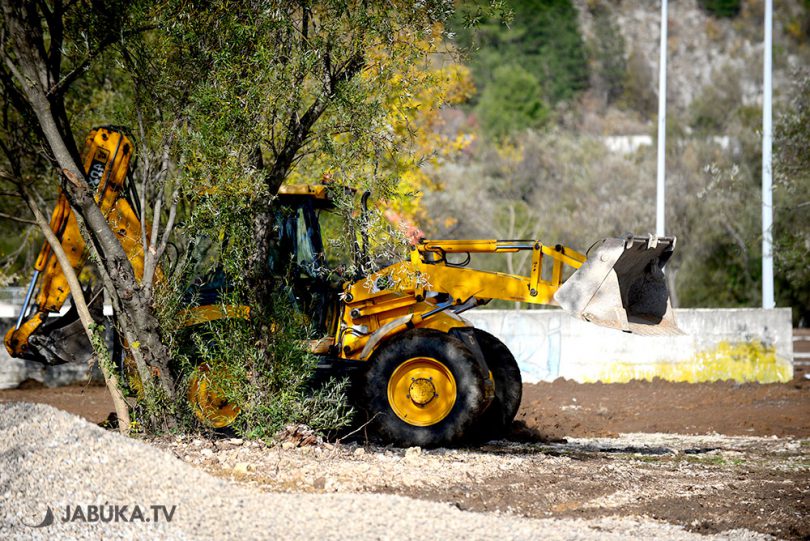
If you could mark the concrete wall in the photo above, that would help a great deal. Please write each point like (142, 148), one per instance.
(737, 344)
(742, 345)
(15, 371)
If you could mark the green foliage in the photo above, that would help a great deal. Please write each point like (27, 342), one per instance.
(272, 92)
(542, 36)
(271, 384)
(718, 218)
(511, 103)
(260, 364)
(227, 100)
(285, 77)
(714, 108)
(792, 203)
(608, 52)
(638, 88)
(724, 268)
(723, 265)
(721, 8)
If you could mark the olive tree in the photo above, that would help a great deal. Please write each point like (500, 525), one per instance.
(228, 100)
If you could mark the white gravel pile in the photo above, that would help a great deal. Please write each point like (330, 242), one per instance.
(50, 459)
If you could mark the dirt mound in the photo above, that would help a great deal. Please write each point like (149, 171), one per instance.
(567, 409)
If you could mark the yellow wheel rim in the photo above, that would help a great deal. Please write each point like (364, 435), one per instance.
(422, 391)
(207, 399)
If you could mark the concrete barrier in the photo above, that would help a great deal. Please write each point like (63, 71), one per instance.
(727, 344)
(15, 371)
(737, 344)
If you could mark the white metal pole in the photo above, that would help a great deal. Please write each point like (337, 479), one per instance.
(662, 125)
(767, 181)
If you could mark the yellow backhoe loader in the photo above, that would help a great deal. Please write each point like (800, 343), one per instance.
(425, 375)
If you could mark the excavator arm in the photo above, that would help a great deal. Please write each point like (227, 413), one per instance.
(465, 283)
(107, 155)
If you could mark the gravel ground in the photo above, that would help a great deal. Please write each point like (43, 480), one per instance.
(704, 483)
(51, 460)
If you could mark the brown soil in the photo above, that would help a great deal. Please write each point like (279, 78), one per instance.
(89, 401)
(567, 409)
(552, 411)
(705, 489)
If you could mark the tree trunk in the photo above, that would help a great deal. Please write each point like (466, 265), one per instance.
(138, 320)
(102, 357)
(36, 75)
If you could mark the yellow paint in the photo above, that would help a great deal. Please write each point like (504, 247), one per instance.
(315, 191)
(207, 397)
(740, 361)
(400, 290)
(422, 391)
(107, 154)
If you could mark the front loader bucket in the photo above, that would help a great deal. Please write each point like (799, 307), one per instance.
(622, 286)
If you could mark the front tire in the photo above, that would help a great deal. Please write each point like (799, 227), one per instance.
(423, 388)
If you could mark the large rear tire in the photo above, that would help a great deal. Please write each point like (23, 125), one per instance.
(423, 388)
(496, 421)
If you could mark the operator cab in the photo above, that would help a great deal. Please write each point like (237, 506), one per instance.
(311, 273)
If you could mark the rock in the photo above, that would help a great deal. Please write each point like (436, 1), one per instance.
(319, 483)
(241, 468)
(207, 452)
(235, 441)
(359, 451)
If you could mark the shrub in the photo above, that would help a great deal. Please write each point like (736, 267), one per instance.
(721, 8)
(272, 385)
(542, 36)
(511, 102)
(608, 53)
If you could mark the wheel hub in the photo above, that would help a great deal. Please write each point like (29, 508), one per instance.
(422, 391)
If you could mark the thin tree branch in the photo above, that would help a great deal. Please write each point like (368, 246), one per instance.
(80, 303)
(60, 87)
(164, 241)
(152, 246)
(16, 219)
(56, 31)
(144, 174)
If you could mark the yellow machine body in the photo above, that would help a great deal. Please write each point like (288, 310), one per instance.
(426, 290)
(107, 155)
